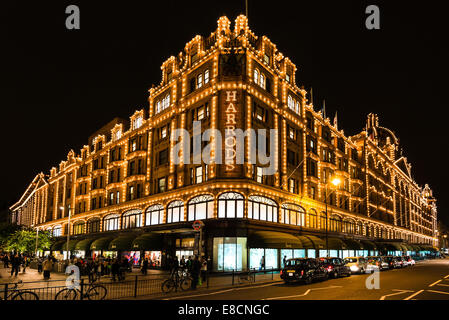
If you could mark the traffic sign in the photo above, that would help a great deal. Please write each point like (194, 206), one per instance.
(196, 225)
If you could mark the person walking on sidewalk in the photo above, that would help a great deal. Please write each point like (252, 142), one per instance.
(145, 266)
(195, 272)
(48, 266)
(203, 269)
(15, 265)
(39, 264)
(6, 261)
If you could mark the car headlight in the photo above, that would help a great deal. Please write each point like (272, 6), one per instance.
(354, 268)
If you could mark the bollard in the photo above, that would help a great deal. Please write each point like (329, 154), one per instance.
(82, 289)
(135, 287)
(272, 273)
(207, 279)
(233, 276)
(6, 291)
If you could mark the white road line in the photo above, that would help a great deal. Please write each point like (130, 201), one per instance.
(443, 285)
(446, 276)
(438, 291)
(302, 294)
(394, 294)
(415, 294)
(431, 285)
(218, 292)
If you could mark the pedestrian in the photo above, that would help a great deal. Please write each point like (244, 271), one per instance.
(6, 261)
(145, 266)
(195, 271)
(47, 267)
(204, 269)
(91, 270)
(262, 263)
(39, 264)
(284, 261)
(115, 269)
(15, 265)
(175, 265)
(25, 263)
(182, 262)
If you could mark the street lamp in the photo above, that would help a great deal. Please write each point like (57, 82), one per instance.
(336, 182)
(68, 233)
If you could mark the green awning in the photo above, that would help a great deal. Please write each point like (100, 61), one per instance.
(408, 247)
(415, 247)
(368, 245)
(336, 244)
(273, 239)
(57, 246)
(124, 242)
(72, 244)
(148, 241)
(306, 242)
(392, 246)
(353, 244)
(317, 242)
(101, 244)
(84, 245)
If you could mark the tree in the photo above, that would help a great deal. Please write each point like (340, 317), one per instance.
(25, 241)
(6, 230)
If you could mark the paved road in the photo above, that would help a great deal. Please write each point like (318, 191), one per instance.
(427, 280)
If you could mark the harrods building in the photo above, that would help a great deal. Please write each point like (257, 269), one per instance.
(126, 196)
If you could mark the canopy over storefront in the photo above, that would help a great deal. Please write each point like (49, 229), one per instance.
(368, 245)
(407, 247)
(101, 244)
(72, 244)
(122, 243)
(336, 244)
(272, 239)
(84, 245)
(148, 241)
(428, 248)
(57, 246)
(317, 242)
(391, 246)
(306, 242)
(353, 244)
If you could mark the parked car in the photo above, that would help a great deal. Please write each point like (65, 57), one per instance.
(336, 267)
(303, 269)
(409, 260)
(357, 264)
(377, 263)
(391, 261)
(398, 262)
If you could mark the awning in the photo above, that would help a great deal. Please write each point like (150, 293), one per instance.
(353, 244)
(57, 246)
(148, 241)
(415, 247)
(72, 244)
(306, 242)
(124, 242)
(272, 239)
(336, 244)
(101, 244)
(407, 247)
(368, 245)
(317, 242)
(392, 246)
(84, 245)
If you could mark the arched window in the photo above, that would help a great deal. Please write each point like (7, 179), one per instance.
(322, 220)
(132, 219)
(154, 215)
(256, 76)
(313, 219)
(78, 227)
(335, 223)
(201, 207)
(110, 222)
(93, 225)
(359, 228)
(348, 226)
(261, 208)
(175, 211)
(293, 214)
(230, 205)
(57, 231)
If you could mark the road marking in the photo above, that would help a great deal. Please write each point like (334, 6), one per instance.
(443, 285)
(446, 276)
(431, 285)
(221, 291)
(438, 291)
(415, 294)
(302, 294)
(394, 294)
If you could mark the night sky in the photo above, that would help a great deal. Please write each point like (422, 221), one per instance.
(59, 86)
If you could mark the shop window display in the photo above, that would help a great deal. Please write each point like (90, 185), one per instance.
(230, 253)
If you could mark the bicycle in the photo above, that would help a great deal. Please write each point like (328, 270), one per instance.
(176, 281)
(94, 292)
(246, 277)
(18, 294)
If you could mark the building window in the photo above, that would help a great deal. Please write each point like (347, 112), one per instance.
(312, 192)
(293, 214)
(93, 225)
(118, 135)
(313, 223)
(201, 207)
(132, 219)
(161, 185)
(163, 157)
(78, 228)
(292, 185)
(163, 104)
(293, 104)
(230, 205)
(199, 82)
(175, 211)
(110, 222)
(256, 76)
(311, 145)
(311, 168)
(199, 174)
(266, 59)
(261, 208)
(259, 174)
(154, 215)
(137, 122)
(206, 77)
(57, 231)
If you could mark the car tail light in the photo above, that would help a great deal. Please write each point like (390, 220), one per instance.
(281, 272)
(302, 272)
(329, 268)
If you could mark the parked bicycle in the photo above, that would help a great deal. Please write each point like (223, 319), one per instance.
(93, 292)
(17, 294)
(180, 279)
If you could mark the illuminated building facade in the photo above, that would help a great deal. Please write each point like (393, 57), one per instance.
(125, 193)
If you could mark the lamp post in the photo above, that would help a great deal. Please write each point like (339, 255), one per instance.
(68, 232)
(336, 182)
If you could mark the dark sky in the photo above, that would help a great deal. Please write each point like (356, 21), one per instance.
(59, 86)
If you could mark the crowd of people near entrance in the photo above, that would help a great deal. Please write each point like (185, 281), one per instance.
(15, 261)
(192, 266)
